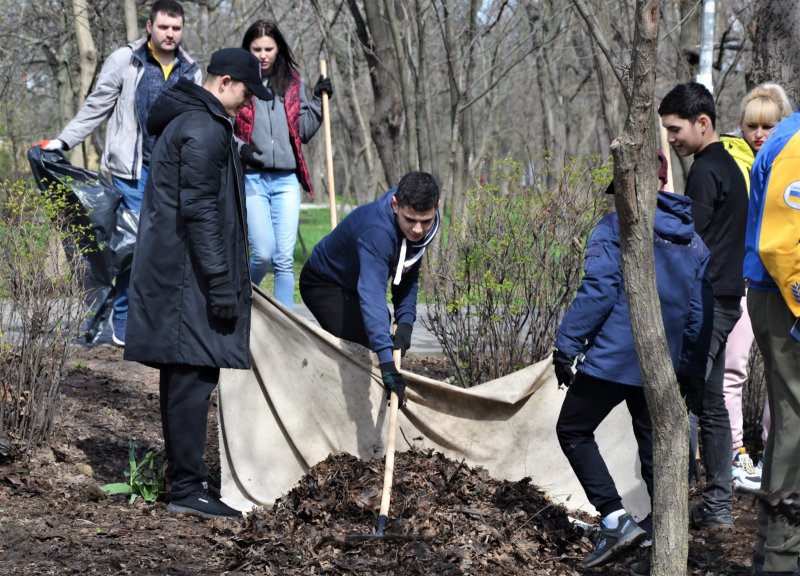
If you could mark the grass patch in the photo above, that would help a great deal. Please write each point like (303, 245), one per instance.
(314, 224)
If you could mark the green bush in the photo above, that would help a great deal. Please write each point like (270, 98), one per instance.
(498, 288)
(41, 308)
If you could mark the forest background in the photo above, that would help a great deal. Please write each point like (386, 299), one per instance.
(445, 86)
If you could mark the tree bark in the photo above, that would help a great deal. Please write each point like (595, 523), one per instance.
(636, 186)
(388, 120)
(131, 21)
(87, 60)
(776, 50)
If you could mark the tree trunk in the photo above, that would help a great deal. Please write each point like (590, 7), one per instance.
(131, 21)
(635, 198)
(84, 154)
(776, 50)
(388, 118)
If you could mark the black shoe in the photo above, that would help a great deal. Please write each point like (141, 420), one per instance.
(203, 504)
(702, 517)
(611, 542)
(641, 567)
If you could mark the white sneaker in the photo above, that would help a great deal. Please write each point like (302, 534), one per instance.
(745, 473)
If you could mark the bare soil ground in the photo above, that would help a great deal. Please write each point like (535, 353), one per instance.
(54, 519)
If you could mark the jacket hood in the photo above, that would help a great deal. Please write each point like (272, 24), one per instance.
(185, 96)
(674, 218)
(738, 148)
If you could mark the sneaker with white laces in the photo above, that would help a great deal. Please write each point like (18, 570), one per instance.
(611, 542)
(744, 472)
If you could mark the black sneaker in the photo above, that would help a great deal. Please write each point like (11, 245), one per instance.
(702, 517)
(203, 504)
(641, 567)
(611, 542)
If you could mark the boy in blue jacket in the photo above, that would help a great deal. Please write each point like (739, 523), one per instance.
(597, 331)
(344, 281)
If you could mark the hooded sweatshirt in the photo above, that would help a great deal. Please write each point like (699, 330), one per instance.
(597, 327)
(361, 254)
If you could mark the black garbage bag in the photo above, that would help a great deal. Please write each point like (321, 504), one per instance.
(96, 205)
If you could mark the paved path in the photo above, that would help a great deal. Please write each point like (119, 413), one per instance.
(422, 340)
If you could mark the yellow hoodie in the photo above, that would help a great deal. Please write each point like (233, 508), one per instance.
(741, 152)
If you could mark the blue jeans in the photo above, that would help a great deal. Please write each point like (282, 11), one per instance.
(273, 214)
(132, 193)
(715, 425)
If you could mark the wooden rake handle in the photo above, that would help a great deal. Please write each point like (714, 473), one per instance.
(388, 467)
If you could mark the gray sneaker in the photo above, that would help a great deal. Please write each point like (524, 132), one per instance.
(611, 542)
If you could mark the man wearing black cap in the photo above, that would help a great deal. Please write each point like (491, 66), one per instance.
(190, 283)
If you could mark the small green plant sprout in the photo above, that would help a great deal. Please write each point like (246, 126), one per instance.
(146, 479)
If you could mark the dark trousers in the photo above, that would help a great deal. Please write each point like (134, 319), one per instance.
(587, 403)
(715, 423)
(185, 395)
(337, 309)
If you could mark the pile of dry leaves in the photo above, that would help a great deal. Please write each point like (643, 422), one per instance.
(446, 518)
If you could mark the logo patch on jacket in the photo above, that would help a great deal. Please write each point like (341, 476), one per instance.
(792, 195)
(796, 291)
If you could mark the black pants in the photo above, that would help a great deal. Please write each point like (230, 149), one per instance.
(185, 395)
(587, 403)
(337, 309)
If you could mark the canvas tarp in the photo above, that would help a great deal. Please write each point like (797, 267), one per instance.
(310, 394)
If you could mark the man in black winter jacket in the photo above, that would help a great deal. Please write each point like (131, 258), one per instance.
(190, 285)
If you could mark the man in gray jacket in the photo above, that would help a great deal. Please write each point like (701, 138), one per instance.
(131, 79)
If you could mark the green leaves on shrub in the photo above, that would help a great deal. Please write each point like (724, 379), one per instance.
(498, 288)
(146, 479)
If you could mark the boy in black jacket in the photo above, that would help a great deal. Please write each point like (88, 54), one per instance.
(719, 209)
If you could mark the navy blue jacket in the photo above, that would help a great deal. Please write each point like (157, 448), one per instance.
(361, 254)
(597, 326)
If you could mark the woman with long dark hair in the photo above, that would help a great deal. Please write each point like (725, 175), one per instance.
(269, 136)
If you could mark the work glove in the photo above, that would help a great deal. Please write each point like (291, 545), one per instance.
(393, 382)
(248, 154)
(323, 85)
(54, 144)
(563, 365)
(222, 298)
(401, 339)
(692, 390)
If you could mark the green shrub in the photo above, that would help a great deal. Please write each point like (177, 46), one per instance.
(41, 308)
(498, 288)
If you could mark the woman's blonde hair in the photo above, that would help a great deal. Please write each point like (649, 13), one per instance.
(767, 103)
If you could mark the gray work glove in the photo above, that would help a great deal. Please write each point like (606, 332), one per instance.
(55, 144)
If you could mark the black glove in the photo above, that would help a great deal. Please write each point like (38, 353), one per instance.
(323, 85)
(248, 154)
(401, 339)
(692, 390)
(563, 364)
(222, 298)
(393, 382)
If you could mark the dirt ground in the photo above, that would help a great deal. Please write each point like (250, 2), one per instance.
(54, 519)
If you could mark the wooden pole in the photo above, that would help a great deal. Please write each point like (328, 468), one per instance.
(326, 125)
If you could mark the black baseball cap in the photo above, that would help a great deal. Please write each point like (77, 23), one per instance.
(240, 65)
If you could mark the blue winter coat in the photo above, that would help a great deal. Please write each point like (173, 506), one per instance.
(597, 326)
(361, 254)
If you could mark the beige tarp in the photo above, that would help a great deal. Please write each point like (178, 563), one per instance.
(310, 394)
